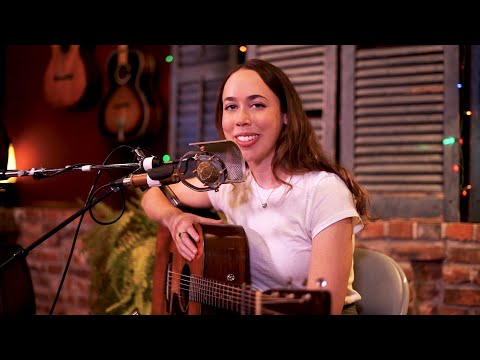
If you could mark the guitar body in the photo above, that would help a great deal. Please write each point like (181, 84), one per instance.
(71, 80)
(216, 282)
(130, 110)
(227, 262)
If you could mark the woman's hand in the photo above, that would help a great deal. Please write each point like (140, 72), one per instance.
(185, 235)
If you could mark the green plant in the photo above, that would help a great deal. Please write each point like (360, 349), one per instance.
(121, 258)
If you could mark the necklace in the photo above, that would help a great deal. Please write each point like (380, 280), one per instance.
(264, 204)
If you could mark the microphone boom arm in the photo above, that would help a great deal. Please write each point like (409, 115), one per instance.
(43, 173)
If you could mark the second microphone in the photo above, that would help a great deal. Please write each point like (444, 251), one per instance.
(164, 175)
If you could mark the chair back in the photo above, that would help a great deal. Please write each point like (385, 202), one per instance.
(381, 282)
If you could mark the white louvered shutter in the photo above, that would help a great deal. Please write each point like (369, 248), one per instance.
(397, 105)
(313, 71)
(197, 72)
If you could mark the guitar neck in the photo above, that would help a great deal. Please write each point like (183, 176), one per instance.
(244, 301)
(122, 57)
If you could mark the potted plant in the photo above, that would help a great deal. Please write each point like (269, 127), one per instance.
(121, 259)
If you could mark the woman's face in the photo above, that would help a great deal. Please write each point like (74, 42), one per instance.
(251, 116)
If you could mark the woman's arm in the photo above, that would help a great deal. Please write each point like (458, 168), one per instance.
(331, 260)
(158, 208)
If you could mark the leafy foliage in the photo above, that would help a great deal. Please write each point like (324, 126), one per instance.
(121, 257)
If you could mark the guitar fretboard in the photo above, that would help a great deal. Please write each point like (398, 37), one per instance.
(238, 299)
(122, 54)
(221, 295)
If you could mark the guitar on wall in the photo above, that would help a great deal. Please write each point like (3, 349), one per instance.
(216, 282)
(130, 110)
(72, 79)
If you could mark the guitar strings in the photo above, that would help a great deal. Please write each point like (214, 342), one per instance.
(184, 279)
(228, 291)
(223, 294)
(230, 299)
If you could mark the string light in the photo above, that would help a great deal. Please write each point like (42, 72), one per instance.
(169, 58)
(465, 190)
(448, 141)
(451, 140)
(464, 112)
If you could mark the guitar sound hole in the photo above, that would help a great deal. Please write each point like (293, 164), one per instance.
(124, 72)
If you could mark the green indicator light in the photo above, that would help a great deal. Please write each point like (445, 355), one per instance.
(449, 141)
(166, 158)
(169, 58)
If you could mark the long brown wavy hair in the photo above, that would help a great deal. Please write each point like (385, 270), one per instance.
(297, 149)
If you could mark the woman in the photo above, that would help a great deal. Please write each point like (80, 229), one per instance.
(299, 209)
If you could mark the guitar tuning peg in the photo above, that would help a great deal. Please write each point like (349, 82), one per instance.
(306, 297)
(290, 296)
(321, 283)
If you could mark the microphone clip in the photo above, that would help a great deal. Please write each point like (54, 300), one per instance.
(139, 155)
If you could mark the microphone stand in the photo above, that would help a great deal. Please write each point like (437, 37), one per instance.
(22, 253)
(214, 182)
(43, 173)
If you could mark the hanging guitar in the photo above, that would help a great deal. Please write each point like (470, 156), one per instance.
(130, 110)
(216, 282)
(72, 79)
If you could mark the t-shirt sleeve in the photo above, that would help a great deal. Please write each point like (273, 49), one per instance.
(217, 198)
(332, 201)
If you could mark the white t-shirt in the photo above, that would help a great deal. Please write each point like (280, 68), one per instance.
(280, 235)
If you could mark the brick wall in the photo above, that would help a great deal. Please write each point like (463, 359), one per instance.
(48, 260)
(441, 260)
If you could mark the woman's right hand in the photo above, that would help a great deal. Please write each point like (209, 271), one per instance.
(184, 234)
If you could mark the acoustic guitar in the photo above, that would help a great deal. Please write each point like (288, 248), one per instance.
(130, 110)
(72, 79)
(216, 282)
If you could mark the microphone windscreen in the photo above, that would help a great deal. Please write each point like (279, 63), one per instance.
(206, 172)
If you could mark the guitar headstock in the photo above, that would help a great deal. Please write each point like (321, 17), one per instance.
(296, 302)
